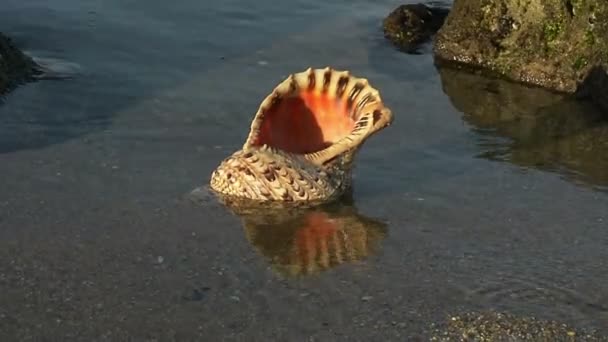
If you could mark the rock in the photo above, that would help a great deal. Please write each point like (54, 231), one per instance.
(410, 25)
(15, 67)
(555, 44)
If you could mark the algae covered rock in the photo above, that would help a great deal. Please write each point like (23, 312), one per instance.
(15, 67)
(410, 25)
(554, 44)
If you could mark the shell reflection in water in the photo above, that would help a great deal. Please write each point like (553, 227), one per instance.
(306, 241)
(504, 326)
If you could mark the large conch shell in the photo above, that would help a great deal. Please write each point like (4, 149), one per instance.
(303, 139)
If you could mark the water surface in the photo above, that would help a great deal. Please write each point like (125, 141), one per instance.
(480, 196)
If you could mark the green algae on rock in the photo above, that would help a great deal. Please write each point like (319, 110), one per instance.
(410, 25)
(15, 67)
(553, 44)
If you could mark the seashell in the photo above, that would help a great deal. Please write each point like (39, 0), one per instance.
(311, 124)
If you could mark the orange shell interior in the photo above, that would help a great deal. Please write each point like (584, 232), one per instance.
(306, 122)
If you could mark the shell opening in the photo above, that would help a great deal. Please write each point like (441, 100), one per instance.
(306, 122)
(313, 110)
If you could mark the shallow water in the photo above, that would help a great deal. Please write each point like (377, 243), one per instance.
(481, 196)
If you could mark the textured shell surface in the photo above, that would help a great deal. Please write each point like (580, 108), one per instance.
(268, 174)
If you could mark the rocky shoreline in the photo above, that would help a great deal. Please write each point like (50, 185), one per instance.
(561, 46)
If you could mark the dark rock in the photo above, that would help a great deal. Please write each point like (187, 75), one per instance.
(554, 44)
(596, 86)
(410, 25)
(15, 67)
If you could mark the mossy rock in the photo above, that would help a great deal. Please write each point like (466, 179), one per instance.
(554, 44)
(410, 25)
(15, 67)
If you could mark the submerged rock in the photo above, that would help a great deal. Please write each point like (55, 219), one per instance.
(555, 44)
(15, 67)
(410, 25)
